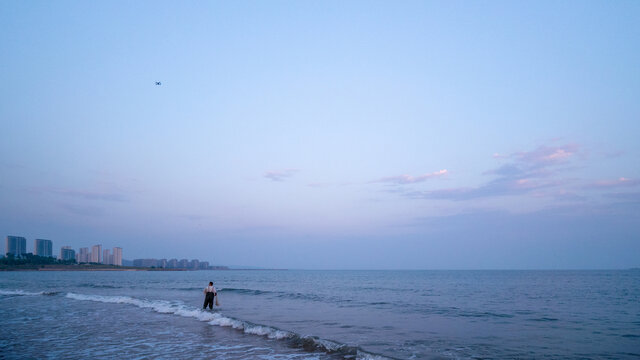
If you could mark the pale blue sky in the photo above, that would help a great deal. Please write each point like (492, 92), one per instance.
(326, 134)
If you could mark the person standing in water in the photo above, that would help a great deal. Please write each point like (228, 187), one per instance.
(210, 293)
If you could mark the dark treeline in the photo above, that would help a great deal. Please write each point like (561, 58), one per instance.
(30, 259)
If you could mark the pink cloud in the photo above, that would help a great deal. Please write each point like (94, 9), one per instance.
(545, 155)
(526, 172)
(408, 179)
(620, 182)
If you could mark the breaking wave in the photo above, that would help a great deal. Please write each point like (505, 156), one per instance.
(308, 343)
(26, 293)
(99, 286)
(245, 291)
(177, 308)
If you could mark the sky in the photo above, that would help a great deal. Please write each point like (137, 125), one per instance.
(325, 134)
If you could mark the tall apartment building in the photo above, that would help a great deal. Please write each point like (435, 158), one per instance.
(96, 254)
(67, 253)
(43, 247)
(117, 256)
(83, 255)
(145, 262)
(106, 256)
(172, 264)
(16, 245)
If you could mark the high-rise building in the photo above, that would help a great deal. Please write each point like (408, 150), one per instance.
(194, 264)
(172, 264)
(42, 247)
(83, 255)
(67, 253)
(117, 256)
(16, 245)
(162, 263)
(183, 264)
(96, 252)
(145, 262)
(105, 256)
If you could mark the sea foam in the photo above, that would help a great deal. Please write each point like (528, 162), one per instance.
(26, 293)
(167, 307)
(310, 343)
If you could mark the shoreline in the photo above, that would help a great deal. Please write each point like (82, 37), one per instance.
(81, 268)
(75, 267)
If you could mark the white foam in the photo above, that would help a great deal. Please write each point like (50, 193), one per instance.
(21, 293)
(166, 307)
(267, 331)
(329, 345)
(361, 355)
(228, 322)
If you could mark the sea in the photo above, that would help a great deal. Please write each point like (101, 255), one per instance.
(291, 314)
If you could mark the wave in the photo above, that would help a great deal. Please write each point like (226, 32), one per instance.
(308, 343)
(230, 290)
(287, 295)
(543, 319)
(26, 293)
(481, 314)
(245, 291)
(99, 286)
(293, 296)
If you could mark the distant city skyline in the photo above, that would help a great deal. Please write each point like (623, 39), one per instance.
(193, 264)
(43, 247)
(355, 134)
(16, 245)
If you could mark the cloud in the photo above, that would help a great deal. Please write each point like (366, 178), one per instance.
(319, 184)
(613, 154)
(620, 182)
(628, 196)
(499, 187)
(83, 210)
(546, 155)
(568, 196)
(408, 179)
(527, 171)
(113, 196)
(90, 195)
(280, 175)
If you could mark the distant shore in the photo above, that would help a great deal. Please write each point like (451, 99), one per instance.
(103, 267)
(79, 267)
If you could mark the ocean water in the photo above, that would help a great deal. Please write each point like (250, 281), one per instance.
(321, 315)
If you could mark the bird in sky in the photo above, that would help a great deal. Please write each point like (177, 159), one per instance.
(158, 83)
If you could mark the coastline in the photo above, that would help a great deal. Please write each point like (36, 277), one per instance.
(101, 267)
(75, 267)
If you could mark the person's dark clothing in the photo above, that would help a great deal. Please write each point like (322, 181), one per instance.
(208, 300)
